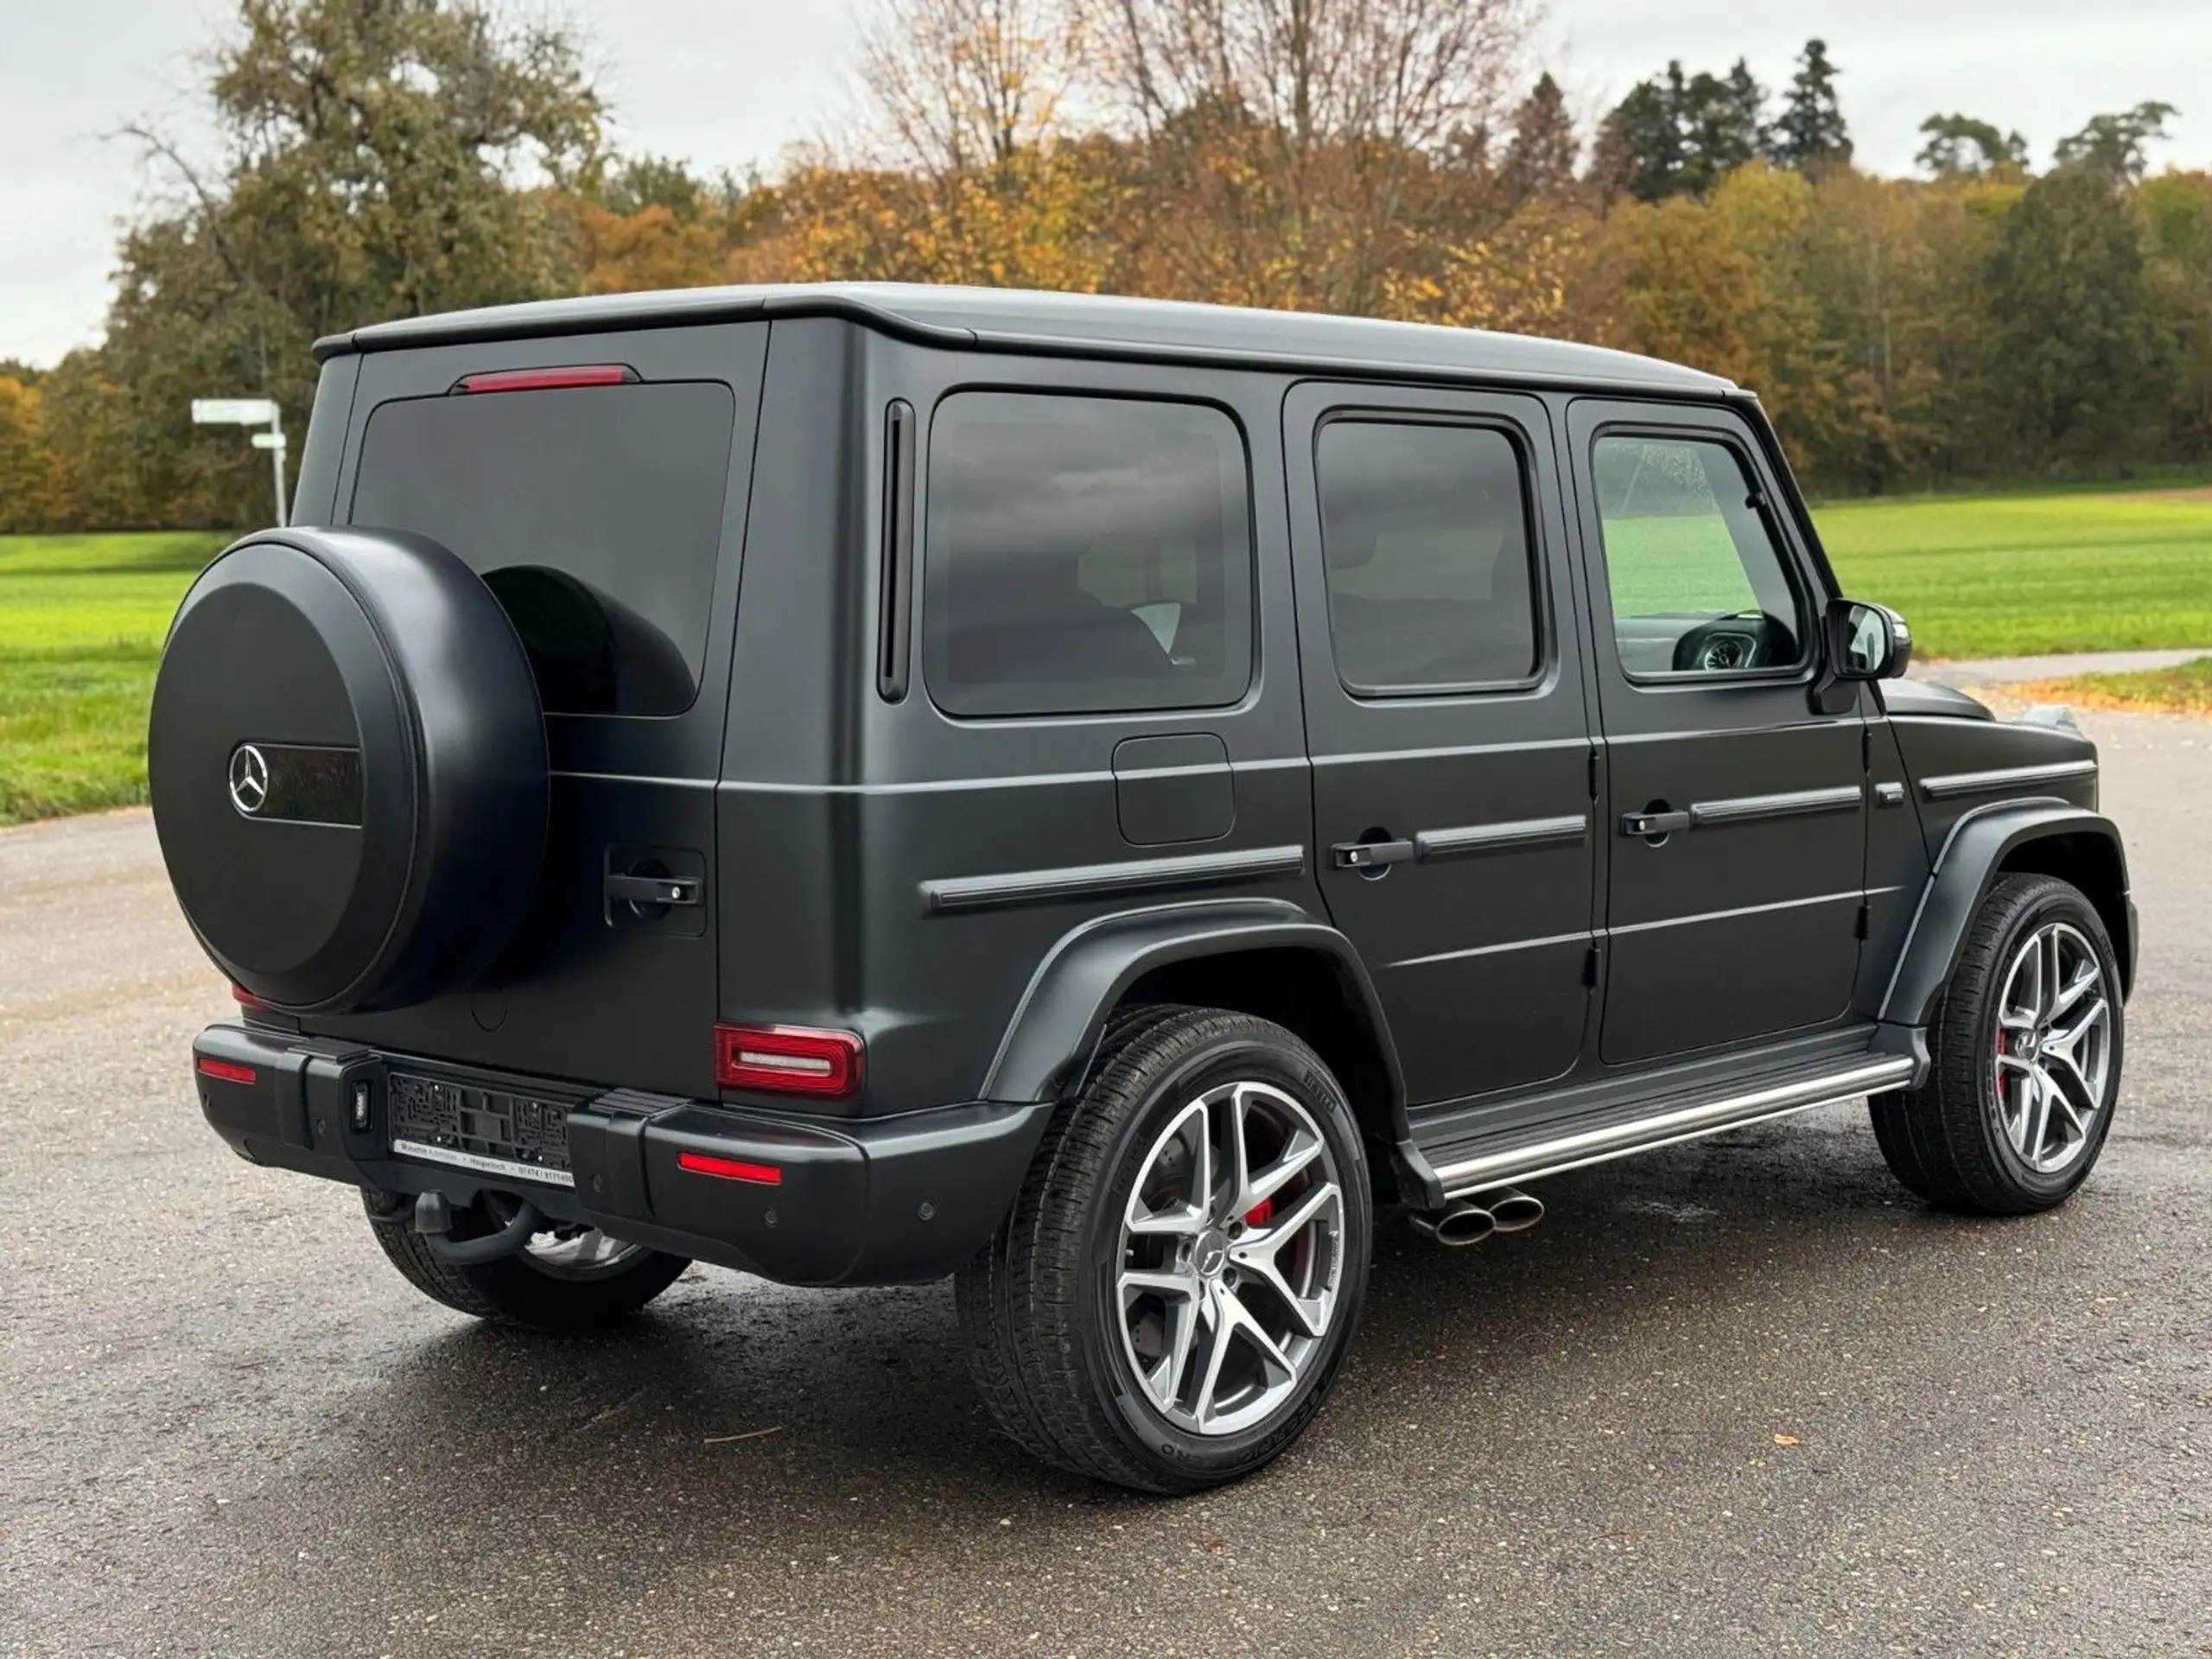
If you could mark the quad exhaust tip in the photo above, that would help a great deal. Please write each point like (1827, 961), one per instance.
(1514, 1210)
(1470, 1220)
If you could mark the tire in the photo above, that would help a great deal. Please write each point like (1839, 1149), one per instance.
(528, 1290)
(1968, 1139)
(1085, 1371)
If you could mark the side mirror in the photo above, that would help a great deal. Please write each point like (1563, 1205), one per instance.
(1862, 642)
(1866, 642)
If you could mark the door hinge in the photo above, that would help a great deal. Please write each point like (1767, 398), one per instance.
(1866, 748)
(1864, 925)
(1590, 968)
(1593, 772)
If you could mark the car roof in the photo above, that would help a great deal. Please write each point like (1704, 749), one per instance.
(1084, 324)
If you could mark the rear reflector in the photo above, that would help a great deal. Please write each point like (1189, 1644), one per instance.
(787, 1060)
(580, 374)
(729, 1169)
(227, 1072)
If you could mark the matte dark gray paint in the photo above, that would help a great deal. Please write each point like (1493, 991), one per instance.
(1168, 789)
(1972, 859)
(973, 896)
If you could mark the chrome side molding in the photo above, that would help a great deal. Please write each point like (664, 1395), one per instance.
(1576, 1148)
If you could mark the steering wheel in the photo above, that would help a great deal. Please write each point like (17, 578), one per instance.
(1727, 644)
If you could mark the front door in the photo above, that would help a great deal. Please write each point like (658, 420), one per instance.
(1737, 808)
(1446, 719)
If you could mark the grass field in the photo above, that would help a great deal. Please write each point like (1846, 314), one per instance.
(82, 621)
(2183, 690)
(82, 616)
(2017, 575)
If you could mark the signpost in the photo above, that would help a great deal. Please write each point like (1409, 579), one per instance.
(250, 411)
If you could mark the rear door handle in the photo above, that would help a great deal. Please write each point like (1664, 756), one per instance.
(1370, 855)
(654, 889)
(1653, 823)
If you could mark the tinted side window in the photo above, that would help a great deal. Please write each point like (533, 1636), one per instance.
(1698, 584)
(1083, 554)
(594, 513)
(1425, 538)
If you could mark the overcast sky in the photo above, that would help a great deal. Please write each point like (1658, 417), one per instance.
(729, 82)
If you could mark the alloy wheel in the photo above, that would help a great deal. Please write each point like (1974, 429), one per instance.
(1231, 1257)
(2054, 1046)
(569, 1250)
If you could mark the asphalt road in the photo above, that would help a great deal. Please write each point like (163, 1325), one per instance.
(1988, 672)
(228, 1427)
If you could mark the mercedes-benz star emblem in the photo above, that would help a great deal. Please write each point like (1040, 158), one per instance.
(249, 779)
(1212, 1255)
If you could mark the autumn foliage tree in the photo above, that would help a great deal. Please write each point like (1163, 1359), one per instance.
(1402, 158)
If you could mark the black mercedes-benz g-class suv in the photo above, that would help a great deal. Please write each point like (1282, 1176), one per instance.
(1094, 797)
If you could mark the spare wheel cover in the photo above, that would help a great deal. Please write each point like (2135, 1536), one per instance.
(347, 761)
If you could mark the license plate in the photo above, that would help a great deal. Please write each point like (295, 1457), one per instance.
(487, 1130)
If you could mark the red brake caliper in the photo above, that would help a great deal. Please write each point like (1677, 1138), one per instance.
(1261, 1213)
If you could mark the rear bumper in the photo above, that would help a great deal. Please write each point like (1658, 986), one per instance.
(892, 1201)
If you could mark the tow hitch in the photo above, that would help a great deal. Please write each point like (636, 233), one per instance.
(434, 1220)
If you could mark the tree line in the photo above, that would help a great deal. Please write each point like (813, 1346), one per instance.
(1402, 158)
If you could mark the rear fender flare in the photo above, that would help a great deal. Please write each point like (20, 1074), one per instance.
(1050, 1041)
(1969, 865)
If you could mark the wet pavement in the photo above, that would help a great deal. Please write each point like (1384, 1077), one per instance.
(1746, 1396)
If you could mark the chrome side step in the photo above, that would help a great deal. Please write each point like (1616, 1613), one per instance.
(1573, 1150)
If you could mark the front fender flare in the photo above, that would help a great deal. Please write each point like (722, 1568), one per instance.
(1056, 1026)
(1965, 870)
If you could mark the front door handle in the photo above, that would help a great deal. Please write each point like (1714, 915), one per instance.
(1370, 855)
(1647, 824)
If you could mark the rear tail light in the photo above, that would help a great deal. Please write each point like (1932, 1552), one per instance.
(225, 1072)
(729, 1169)
(548, 380)
(787, 1060)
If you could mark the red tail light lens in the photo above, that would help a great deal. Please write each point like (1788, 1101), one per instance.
(579, 374)
(787, 1060)
(729, 1169)
(226, 1072)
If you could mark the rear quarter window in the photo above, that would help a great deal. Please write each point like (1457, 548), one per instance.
(593, 514)
(1084, 554)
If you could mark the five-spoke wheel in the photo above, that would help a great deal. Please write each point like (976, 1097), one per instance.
(1232, 1249)
(2054, 1046)
(2026, 1053)
(1167, 1304)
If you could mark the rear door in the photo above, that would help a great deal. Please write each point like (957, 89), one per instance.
(599, 485)
(1738, 808)
(1447, 723)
